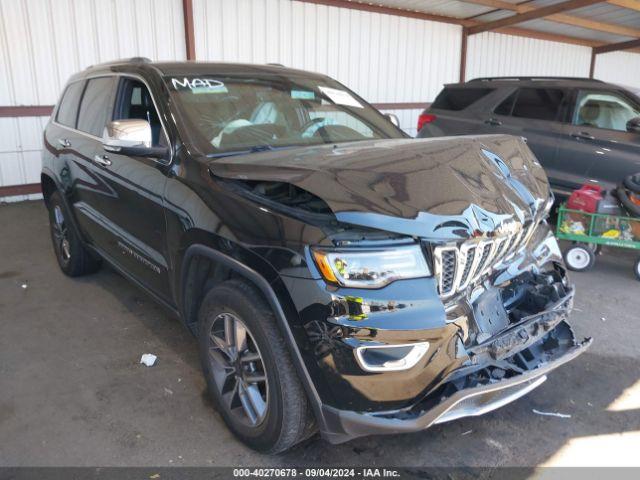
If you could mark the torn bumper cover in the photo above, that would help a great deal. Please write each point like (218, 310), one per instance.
(498, 372)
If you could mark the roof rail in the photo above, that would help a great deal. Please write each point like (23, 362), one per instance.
(534, 78)
(122, 60)
(275, 64)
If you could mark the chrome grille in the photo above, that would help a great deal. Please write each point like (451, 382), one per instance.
(459, 266)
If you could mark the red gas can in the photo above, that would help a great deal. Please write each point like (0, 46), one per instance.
(586, 198)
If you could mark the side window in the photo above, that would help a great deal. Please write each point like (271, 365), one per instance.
(506, 106)
(538, 103)
(134, 101)
(68, 109)
(457, 99)
(602, 109)
(95, 107)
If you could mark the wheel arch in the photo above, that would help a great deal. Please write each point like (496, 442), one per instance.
(229, 267)
(48, 185)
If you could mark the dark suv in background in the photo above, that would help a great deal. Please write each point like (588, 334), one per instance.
(337, 275)
(579, 129)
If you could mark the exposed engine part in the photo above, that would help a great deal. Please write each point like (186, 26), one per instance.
(290, 195)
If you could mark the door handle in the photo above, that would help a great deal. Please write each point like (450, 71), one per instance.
(493, 121)
(583, 136)
(102, 160)
(64, 142)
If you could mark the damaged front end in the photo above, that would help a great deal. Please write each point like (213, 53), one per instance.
(398, 345)
(511, 330)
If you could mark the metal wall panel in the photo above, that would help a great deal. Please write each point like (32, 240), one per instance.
(622, 68)
(384, 58)
(495, 54)
(43, 42)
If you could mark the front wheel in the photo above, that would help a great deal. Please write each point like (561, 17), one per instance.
(248, 369)
(636, 269)
(580, 257)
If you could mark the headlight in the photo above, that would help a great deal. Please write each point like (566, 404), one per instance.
(371, 268)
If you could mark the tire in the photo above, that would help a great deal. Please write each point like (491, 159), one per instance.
(594, 247)
(281, 416)
(579, 257)
(73, 257)
(627, 203)
(636, 268)
(632, 183)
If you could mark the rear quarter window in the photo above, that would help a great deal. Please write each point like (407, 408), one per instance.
(459, 98)
(68, 109)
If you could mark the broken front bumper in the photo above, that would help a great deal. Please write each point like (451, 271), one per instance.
(541, 343)
(464, 403)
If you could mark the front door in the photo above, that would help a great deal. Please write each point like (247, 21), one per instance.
(135, 215)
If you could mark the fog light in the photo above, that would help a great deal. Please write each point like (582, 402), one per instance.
(391, 358)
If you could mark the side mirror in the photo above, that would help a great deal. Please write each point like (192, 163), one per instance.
(393, 118)
(633, 125)
(131, 137)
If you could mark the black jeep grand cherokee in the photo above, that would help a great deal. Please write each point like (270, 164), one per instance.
(337, 275)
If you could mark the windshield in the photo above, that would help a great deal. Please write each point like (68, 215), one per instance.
(242, 113)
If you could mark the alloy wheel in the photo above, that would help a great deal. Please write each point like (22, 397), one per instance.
(60, 235)
(238, 370)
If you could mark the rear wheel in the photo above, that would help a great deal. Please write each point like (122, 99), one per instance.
(249, 372)
(580, 257)
(636, 269)
(73, 257)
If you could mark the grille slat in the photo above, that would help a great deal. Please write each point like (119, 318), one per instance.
(457, 267)
(471, 252)
(486, 249)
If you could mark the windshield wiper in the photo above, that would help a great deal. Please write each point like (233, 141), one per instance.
(254, 149)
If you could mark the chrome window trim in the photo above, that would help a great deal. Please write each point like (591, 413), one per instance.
(54, 118)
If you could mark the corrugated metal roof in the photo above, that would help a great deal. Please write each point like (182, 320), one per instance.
(601, 12)
(447, 8)
(572, 31)
(605, 12)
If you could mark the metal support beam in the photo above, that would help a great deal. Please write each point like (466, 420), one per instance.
(630, 4)
(591, 24)
(592, 66)
(532, 15)
(189, 34)
(463, 55)
(614, 47)
(26, 111)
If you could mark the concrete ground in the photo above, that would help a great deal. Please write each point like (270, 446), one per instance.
(73, 394)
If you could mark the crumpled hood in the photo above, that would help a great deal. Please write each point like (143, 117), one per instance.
(451, 187)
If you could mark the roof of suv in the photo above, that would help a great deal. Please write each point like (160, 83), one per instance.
(532, 82)
(198, 68)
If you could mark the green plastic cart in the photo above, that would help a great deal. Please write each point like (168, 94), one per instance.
(589, 231)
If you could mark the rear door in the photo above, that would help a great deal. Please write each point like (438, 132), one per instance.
(537, 114)
(597, 136)
(92, 196)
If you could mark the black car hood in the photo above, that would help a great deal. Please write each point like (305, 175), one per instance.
(438, 188)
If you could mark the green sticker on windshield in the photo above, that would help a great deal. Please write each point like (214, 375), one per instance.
(302, 95)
